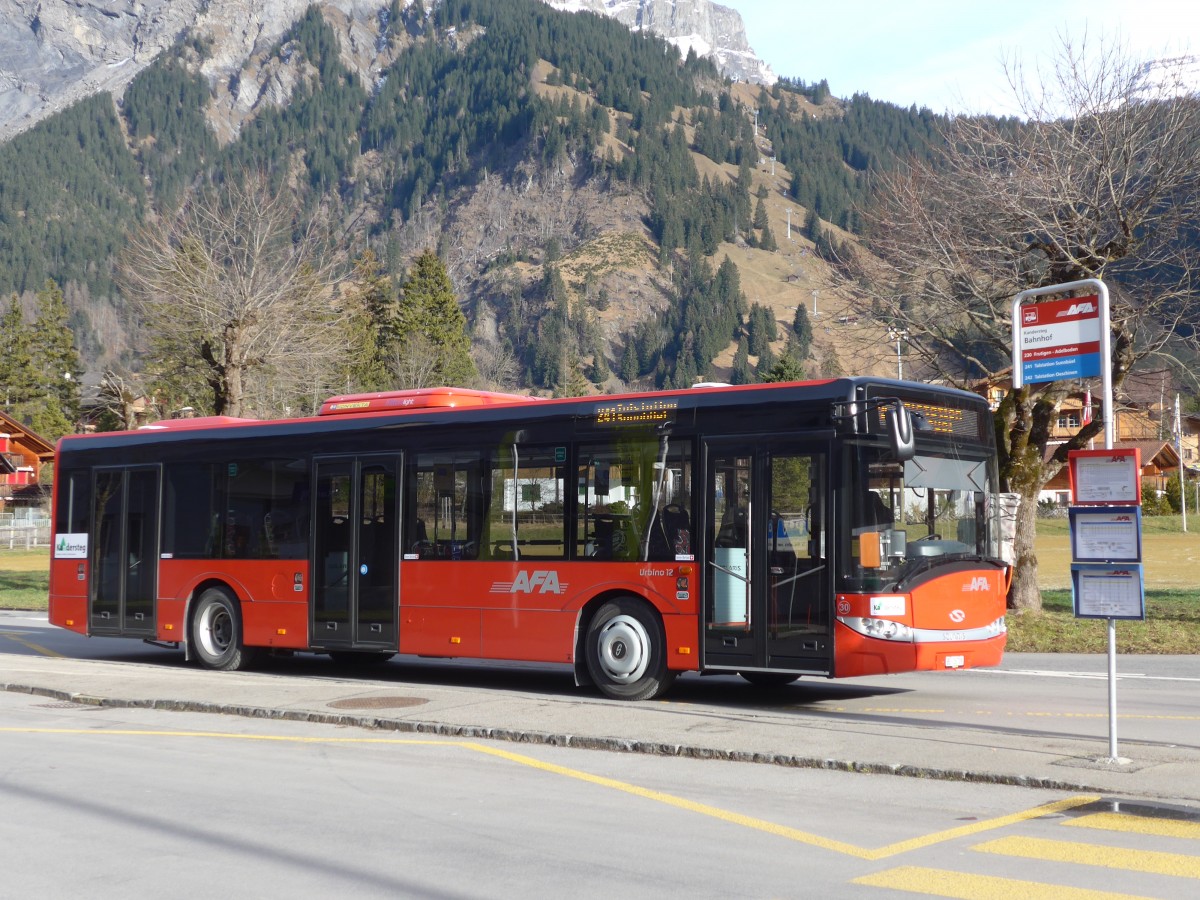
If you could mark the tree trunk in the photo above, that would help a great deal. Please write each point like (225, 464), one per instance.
(1024, 593)
(233, 369)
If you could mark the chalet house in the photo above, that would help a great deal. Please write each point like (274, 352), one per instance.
(1144, 420)
(22, 455)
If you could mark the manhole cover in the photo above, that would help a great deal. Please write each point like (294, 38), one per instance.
(377, 702)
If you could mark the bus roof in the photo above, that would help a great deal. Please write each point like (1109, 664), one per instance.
(396, 408)
(418, 398)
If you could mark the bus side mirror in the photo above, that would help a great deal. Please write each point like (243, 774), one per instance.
(899, 423)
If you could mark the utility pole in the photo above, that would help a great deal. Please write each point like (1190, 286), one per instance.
(897, 335)
(1179, 450)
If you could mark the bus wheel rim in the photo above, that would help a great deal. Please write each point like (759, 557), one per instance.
(215, 628)
(623, 646)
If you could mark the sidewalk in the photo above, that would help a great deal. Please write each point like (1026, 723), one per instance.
(783, 734)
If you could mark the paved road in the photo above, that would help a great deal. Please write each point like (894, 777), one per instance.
(118, 802)
(1040, 721)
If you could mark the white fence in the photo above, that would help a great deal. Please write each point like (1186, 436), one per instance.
(23, 532)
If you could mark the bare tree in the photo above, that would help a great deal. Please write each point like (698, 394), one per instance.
(497, 366)
(1100, 178)
(414, 363)
(124, 401)
(233, 287)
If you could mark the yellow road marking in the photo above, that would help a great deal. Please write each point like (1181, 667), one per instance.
(1132, 822)
(1152, 861)
(784, 831)
(940, 883)
(18, 638)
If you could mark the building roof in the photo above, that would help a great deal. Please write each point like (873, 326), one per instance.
(30, 441)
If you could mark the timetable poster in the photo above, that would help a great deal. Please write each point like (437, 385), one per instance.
(1108, 592)
(1108, 534)
(1106, 476)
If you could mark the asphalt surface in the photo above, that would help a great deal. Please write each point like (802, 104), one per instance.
(691, 727)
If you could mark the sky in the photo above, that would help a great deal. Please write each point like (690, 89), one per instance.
(948, 54)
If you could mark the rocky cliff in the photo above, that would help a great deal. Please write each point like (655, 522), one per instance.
(708, 28)
(55, 52)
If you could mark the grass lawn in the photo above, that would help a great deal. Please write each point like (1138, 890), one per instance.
(24, 579)
(1172, 569)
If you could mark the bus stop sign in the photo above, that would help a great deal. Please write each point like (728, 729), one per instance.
(1059, 339)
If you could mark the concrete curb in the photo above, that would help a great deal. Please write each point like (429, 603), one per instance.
(525, 736)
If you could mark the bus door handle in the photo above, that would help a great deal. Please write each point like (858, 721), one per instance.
(803, 574)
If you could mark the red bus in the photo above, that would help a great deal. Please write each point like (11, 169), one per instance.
(825, 528)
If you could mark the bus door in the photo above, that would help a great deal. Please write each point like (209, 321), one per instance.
(355, 573)
(124, 551)
(767, 581)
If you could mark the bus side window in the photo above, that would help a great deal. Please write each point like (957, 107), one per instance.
(444, 510)
(635, 498)
(525, 518)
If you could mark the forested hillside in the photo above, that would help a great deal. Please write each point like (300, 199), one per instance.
(595, 199)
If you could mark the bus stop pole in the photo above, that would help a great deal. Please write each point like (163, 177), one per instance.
(1108, 412)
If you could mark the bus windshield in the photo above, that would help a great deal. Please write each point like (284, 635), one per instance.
(907, 517)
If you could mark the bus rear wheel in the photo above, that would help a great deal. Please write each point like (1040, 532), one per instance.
(217, 632)
(626, 651)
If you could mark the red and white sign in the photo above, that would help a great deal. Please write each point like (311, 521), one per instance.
(1059, 339)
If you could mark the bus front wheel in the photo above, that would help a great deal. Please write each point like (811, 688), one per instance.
(217, 632)
(626, 651)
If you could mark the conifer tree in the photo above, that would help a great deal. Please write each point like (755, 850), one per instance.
(429, 321)
(40, 368)
(55, 358)
(802, 333)
(760, 214)
(760, 329)
(571, 383)
(370, 305)
(629, 363)
(766, 362)
(741, 373)
(786, 368)
(17, 379)
(767, 241)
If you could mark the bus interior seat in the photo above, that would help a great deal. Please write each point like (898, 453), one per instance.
(734, 528)
(672, 530)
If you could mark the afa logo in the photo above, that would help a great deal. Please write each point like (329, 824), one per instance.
(1078, 309)
(978, 583)
(539, 581)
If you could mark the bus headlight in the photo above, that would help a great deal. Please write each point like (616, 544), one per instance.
(880, 629)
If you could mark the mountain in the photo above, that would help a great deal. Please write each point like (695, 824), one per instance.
(56, 52)
(708, 29)
(607, 212)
